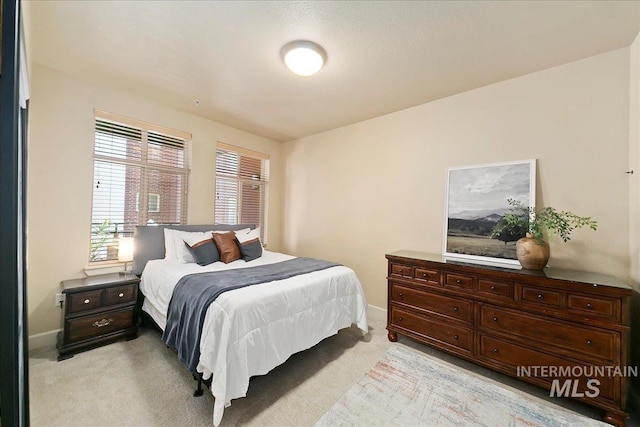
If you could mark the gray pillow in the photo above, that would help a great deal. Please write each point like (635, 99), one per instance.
(249, 244)
(204, 252)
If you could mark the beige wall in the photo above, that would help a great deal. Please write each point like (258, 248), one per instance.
(355, 193)
(60, 168)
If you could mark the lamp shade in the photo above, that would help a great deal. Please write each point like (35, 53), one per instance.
(303, 57)
(125, 249)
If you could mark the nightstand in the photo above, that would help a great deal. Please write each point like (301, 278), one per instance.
(97, 310)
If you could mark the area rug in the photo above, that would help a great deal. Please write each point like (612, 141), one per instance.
(407, 388)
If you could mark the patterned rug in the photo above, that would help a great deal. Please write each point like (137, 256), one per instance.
(407, 388)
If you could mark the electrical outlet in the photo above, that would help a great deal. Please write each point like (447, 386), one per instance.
(59, 300)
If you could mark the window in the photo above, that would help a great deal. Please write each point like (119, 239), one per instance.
(242, 187)
(140, 175)
(153, 205)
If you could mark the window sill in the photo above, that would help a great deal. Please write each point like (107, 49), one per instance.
(104, 268)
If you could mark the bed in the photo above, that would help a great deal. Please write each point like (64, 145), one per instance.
(250, 330)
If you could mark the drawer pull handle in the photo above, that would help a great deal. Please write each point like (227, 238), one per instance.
(455, 309)
(495, 319)
(400, 319)
(424, 275)
(455, 337)
(121, 294)
(493, 288)
(400, 294)
(589, 305)
(101, 323)
(495, 349)
(589, 343)
(458, 281)
(87, 301)
(539, 296)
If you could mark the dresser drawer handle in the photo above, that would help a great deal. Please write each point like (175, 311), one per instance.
(589, 305)
(493, 288)
(87, 301)
(539, 296)
(458, 281)
(495, 319)
(495, 349)
(101, 323)
(455, 309)
(121, 294)
(455, 337)
(589, 343)
(400, 294)
(400, 319)
(424, 275)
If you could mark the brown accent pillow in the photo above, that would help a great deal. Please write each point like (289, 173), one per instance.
(227, 246)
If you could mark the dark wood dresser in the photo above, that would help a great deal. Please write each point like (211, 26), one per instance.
(97, 310)
(519, 322)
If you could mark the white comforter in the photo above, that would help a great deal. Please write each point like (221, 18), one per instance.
(250, 331)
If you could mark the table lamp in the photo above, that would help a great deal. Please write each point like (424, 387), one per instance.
(125, 253)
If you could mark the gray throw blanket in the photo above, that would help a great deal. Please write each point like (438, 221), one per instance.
(195, 292)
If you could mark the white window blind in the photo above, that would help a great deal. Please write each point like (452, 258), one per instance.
(140, 177)
(242, 187)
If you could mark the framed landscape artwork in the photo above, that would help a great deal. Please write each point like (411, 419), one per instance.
(476, 202)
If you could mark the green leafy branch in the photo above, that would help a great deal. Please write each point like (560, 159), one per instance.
(547, 221)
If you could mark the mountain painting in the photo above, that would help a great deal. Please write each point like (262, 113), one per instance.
(477, 201)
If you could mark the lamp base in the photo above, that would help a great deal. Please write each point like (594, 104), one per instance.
(126, 271)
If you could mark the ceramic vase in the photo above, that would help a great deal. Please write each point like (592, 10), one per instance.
(532, 253)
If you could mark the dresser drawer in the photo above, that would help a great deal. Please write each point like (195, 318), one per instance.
(120, 295)
(597, 306)
(402, 271)
(515, 357)
(452, 307)
(541, 296)
(495, 288)
(99, 324)
(574, 339)
(459, 281)
(457, 336)
(430, 277)
(83, 301)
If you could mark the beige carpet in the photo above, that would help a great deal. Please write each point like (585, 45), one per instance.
(142, 383)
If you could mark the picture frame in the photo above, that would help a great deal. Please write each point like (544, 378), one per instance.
(476, 200)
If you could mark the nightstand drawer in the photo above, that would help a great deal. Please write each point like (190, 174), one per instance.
(83, 301)
(120, 295)
(99, 324)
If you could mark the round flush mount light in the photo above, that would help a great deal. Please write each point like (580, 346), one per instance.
(303, 57)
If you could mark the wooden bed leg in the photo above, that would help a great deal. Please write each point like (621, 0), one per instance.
(198, 392)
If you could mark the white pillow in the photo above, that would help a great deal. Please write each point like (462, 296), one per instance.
(247, 234)
(169, 245)
(243, 231)
(183, 254)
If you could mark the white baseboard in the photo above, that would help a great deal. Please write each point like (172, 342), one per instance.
(45, 339)
(376, 313)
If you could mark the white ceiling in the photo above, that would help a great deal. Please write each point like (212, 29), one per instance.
(382, 56)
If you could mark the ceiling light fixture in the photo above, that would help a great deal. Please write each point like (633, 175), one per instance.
(303, 57)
